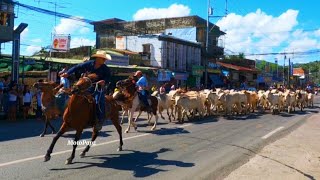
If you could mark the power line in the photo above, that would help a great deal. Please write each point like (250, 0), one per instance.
(315, 51)
(48, 12)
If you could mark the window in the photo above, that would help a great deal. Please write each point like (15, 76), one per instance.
(147, 50)
(3, 19)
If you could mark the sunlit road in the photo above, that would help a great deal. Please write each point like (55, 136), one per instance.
(207, 148)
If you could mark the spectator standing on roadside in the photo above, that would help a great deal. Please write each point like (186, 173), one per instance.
(13, 96)
(27, 99)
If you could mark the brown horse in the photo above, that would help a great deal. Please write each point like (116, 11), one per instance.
(128, 96)
(80, 113)
(49, 106)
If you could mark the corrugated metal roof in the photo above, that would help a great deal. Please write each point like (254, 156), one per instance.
(238, 68)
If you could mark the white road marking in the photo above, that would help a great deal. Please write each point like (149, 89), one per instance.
(186, 125)
(272, 132)
(66, 151)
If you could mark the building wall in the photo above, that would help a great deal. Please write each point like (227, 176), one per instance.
(164, 54)
(179, 57)
(134, 43)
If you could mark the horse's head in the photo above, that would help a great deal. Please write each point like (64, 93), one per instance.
(127, 86)
(45, 87)
(84, 83)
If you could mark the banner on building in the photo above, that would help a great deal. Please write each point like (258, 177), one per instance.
(61, 43)
(164, 75)
(118, 60)
(121, 42)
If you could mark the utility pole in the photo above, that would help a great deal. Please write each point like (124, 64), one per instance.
(289, 71)
(276, 61)
(284, 64)
(210, 15)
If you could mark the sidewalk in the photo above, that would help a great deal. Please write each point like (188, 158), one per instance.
(296, 156)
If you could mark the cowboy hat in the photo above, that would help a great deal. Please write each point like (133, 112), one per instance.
(102, 54)
(138, 73)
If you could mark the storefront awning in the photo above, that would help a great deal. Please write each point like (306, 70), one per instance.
(180, 76)
(238, 68)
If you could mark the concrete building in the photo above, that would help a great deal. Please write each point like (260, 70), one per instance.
(107, 31)
(173, 55)
(6, 21)
(182, 36)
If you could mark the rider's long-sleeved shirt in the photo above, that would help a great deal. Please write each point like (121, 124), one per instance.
(103, 72)
(142, 83)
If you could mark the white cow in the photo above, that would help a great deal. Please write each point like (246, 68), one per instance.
(166, 101)
(185, 104)
(310, 99)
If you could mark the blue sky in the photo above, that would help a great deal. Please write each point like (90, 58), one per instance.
(252, 26)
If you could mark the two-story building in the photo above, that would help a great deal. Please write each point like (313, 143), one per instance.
(173, 56)
(173, 44)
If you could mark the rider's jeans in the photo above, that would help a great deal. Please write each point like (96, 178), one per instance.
(100, 106)
(144, 97)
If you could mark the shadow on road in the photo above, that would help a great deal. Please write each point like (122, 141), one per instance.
(167, 131)
(142, 164)
(24, 129)
(252, 116)
(33, 128)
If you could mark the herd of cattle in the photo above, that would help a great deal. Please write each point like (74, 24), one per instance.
(230, 102)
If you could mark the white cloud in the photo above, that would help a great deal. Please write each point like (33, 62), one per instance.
(69, 26)
(24, 34)
(317, 33)
(38, 40)
(175, 10)
(30, 50)
(258, 32)
(78, 41)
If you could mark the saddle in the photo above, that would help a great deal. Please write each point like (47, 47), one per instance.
(92, 109)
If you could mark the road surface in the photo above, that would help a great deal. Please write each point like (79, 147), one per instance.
(206, 148)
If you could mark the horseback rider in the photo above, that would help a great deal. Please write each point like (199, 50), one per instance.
(97, 66)
(142, 85)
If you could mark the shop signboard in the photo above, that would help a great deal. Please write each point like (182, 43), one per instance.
(61, 43)
(197, 70)
(215, 71)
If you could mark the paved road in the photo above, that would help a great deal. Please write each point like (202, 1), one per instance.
(207, 148)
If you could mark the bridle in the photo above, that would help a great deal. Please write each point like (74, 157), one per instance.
(77, 89)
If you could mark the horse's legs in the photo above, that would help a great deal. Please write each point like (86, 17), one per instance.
(130, 122)
(155, 121)
(123, 113)
(95, 134)
(119, 130)
(49, 151)
(76, 139)
(135, 119)
(46, 123)
(52, 128)
(149, 119)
